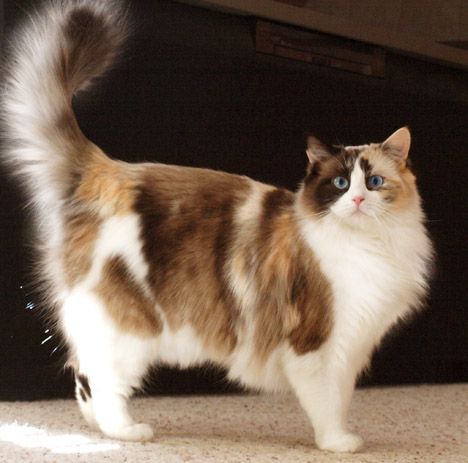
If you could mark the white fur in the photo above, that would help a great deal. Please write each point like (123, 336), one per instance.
(267, 376)
(181, 348)
(119, 235)
(323, 384)
(247, 219)
(113, 361)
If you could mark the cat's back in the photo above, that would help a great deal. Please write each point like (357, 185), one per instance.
(113, 187)
(189, 189)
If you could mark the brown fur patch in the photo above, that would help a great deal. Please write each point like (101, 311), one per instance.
(187, 231)
(84, 388)
(125, 300)
(192, 243)
(107, 185)
(312, 299)
(399, 188)
(319, 193)
(295, 296)
(104, 187)
(81, 229)
(408, 189)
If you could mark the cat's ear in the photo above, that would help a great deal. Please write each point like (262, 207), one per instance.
(397, 145)
(316, 150)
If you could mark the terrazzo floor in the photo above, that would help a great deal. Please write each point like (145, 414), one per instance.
(404, 424)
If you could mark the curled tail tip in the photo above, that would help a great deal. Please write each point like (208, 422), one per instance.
(77, 40)
(94, 33)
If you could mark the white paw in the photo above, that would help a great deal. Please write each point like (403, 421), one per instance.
(88, 413)
(342, 443)
(138, 432)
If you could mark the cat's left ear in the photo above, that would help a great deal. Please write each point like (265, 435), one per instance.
(316, 150)
(397, 145)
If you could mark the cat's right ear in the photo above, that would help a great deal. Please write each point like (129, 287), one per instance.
(316, 150)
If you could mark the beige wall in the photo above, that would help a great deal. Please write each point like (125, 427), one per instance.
(439, 20)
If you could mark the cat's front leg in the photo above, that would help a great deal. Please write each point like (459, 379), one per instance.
(324, 389)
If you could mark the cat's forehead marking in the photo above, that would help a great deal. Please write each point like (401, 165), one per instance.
(366, 157)
(374, 159)
(365, 166)
(348, 157)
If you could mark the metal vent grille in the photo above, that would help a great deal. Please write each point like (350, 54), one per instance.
(321, 49)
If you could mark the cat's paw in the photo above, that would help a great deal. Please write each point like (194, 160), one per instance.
(138, 432)
(342, 443)
(88, 414)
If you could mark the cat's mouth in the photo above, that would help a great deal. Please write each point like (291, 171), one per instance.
(357, 211)
(357, 214)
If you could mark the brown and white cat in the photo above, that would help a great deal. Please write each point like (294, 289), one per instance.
(151, 263)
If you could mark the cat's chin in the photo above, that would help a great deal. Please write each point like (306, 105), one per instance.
(357, 219)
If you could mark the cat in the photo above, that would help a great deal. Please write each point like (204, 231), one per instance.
(145, 264)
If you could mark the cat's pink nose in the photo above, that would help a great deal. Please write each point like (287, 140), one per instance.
(358, 200)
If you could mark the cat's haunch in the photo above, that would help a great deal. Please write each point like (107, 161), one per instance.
(151, 263)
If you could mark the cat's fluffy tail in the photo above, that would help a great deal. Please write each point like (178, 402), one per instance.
(56, 54)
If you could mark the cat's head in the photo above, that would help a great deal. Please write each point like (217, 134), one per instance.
(359, 184)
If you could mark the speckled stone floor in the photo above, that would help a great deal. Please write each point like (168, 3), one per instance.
(400, 425)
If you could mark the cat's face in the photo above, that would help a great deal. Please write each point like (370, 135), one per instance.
(358, 184)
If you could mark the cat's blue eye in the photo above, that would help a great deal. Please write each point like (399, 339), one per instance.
(340, 182)
(374, 181)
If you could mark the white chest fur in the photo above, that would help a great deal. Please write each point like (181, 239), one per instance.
(376, 277)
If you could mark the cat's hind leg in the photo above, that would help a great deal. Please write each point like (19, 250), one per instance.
(324, 389)
(110, 366)
(84, 398)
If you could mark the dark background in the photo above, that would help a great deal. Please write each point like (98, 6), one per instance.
(191, 90)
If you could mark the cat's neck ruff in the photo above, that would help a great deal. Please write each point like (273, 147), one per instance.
(389, 257)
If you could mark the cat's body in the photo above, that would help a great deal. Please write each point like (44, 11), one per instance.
(148, 263)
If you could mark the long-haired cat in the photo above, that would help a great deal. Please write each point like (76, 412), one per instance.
(152, 263)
